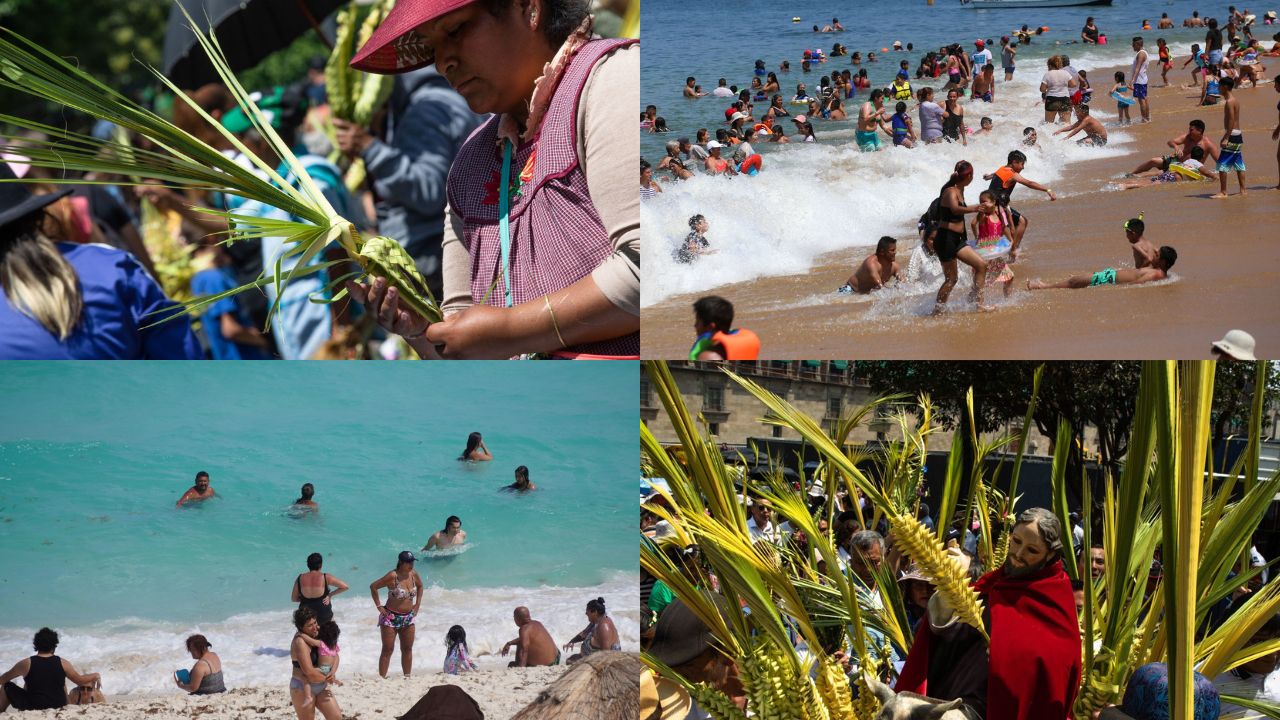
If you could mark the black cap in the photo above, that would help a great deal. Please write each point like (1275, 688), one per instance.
(16, 201)
(408, 557)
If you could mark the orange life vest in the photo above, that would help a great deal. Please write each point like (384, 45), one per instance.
(740, 344)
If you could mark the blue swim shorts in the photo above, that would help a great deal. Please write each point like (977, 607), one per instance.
(1139, 91)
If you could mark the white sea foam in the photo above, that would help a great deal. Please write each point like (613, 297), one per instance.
(813, 199)
(138, 655)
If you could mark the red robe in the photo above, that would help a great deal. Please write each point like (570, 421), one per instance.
(1035, 646)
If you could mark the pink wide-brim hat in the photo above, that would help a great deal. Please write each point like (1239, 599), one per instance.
(395, 47)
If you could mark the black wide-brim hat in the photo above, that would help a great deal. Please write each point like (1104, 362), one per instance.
(16, 201)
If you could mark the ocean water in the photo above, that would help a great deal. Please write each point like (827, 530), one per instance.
(811, 199)
(94, 456)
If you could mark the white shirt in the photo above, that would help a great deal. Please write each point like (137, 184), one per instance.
(769, 533)
(722, 92)
(1056, 83)
(981, 58)
(1140, 61)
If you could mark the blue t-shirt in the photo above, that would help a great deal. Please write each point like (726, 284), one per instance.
(120, 298)
(211, 282)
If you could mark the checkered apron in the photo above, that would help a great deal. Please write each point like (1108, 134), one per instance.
(556, 235)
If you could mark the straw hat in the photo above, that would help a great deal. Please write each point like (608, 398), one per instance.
(662, 699)
(603, 685)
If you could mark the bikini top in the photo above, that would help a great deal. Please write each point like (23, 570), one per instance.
(396, 592)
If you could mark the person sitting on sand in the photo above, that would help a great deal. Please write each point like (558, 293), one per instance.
(1094, 132)
(305, 502)
(522, 483)
(599, 634)
(1158, 270)
(876, 270)
(533, 645)
(205, 677)
(713, 320)
(1181, 145)
(476, 450)
(44, 678)
(452, 535)
(1194, 163)
(199, 491)
(457, 658)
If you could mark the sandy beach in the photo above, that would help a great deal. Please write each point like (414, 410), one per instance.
(1225, 276)
(501, 693)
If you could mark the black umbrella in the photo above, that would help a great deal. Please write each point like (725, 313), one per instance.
(247, 30)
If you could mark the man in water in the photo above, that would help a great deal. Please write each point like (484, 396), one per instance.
(1158, 270)
(1094, 133)
(534, 645)
(200, 491)
(451, 535)
(690, 84)
(1232, 139)
(876, 270)
(869, 118)
(1194, 136)
(984, 84)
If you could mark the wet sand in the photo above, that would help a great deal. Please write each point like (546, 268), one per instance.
(1227, 274)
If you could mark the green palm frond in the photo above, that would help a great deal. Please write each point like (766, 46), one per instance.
(181, 160)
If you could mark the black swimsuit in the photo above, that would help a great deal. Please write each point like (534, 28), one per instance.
(322, 610)
(947, 242)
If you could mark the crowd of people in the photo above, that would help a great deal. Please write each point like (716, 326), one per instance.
(315, 653)
(1033, 612)
(560, 242)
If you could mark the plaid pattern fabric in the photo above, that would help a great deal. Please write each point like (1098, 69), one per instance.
(557, 237)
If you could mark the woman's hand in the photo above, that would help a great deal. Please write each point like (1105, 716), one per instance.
(383, 302)
(480, 331)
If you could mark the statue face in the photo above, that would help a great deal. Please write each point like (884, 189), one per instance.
(1027, 550)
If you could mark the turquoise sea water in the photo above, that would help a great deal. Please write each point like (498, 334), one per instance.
(813, 199)
(94, 456)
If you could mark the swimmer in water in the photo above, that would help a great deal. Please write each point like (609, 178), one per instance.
(199, 491)
(305, 502)
(522, 483)
(451, 536)
(876, 270)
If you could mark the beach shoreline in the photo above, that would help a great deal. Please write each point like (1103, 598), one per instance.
(1224, 281)
(500, 692)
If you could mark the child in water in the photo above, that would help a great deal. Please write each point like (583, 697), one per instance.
(1119, 91)
(903, 133)
(457, 658)
(988, 228)
(695, 243)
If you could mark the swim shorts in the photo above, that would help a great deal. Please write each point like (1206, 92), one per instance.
(985, 96)
(1167, 176)
(1094, 140)
(396, 620)
(1139, 91)
(1215, 57)
(1057, 104)
(867, 141)
(1103, 277)
(845, 289)
(1232, 157)
(1009, 69)
(947, 243)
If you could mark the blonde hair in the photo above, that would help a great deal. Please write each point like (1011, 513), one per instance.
(1055, 62)
(37, 280)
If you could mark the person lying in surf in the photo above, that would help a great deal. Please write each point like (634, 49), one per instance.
(876, 270)
(1145, 254)
(1194, 164)
(1159, 270)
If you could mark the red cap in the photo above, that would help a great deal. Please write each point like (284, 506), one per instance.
(979, 43)
(395, 47)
